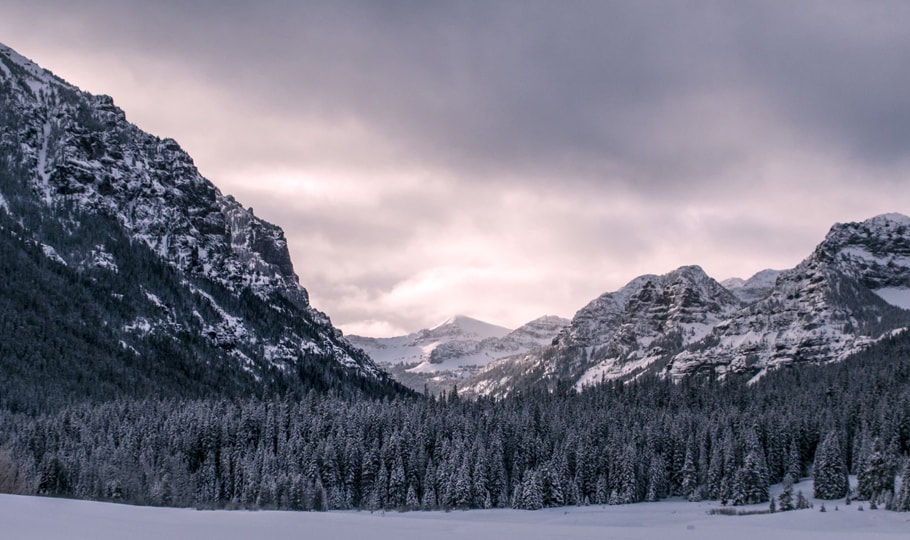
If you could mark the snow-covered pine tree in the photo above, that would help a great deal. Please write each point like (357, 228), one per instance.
(902, 504)
(531, 497)
(480, 485)
(398, 487)
(601, 495)
(794, 461)
(554, 494)
(657, 479)
(737, 491)
(715, 472)
(462, 496)
(829, 470)
(785, 500)
(875, 476)
(751, 483)
(627, 485)
(381, 486)
(723, 494)
(689, 476)
(411, 500)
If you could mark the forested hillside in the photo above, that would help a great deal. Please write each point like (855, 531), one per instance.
(89, 331)
(611, 444)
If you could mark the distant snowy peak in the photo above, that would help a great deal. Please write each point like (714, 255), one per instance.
(458, 347)
(657, 316)
(753, 289)
(733, 283)
(465, 327)
(540, 331)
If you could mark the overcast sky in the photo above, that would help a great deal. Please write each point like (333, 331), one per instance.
(510, 159)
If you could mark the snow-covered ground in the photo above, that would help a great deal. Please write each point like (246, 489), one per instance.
(26, 518)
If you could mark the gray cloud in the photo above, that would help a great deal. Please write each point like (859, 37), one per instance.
(419, 152)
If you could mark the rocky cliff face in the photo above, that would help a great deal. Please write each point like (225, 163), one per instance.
(831, 305)
(852, 290)
(623, 333)
(70, 158)
(620, 334)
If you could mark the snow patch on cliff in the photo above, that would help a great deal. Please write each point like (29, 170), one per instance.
(52, 254)
(896, 296)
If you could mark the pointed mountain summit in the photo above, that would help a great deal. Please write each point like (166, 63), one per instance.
(466, 327)
(177, 277)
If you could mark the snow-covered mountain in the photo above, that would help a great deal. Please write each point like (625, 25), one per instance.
(753, 289)
(418, 347)
(851, 291)
(456, 348)
(848, 293)
(100, 196)
(621, 333)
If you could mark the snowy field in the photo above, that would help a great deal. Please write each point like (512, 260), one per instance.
(27, 518)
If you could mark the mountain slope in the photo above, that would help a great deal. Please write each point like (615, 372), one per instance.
(119, 210)
(849, 293)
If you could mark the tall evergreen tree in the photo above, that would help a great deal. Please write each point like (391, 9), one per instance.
(627, 484)
(829, 471)
(689, 476)
(754, 479)
(902, 503)
(786, 496)
(531, 493)
(657, 479)
(875, 477)
(794, 461)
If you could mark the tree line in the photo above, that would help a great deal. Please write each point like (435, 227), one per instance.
(610, 444)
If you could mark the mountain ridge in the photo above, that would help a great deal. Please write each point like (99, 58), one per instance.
(95, 191)
(832, 305)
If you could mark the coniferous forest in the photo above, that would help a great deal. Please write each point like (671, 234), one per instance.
(609, 444)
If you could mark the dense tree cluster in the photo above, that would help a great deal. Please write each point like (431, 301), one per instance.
(612, 444)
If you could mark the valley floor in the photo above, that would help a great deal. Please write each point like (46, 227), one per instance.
(26, 518)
